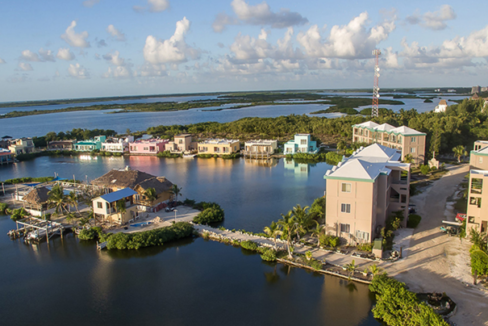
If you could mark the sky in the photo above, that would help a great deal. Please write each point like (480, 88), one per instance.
(55, 49)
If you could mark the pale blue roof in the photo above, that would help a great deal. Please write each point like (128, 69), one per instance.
(118, 195)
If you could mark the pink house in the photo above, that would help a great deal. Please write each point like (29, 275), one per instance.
(147, 146)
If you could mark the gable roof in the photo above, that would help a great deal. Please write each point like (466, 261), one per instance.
(385, 127)
(118, 195)
(406, 131)
(367, 124)
(160, 184)
(377, 152)
(37, 196)
(122, 178)
(442, 102)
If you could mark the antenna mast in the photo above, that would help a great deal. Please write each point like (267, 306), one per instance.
(376, 89)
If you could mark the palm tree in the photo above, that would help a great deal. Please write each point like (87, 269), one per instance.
(317, 232)
(459, 151)
(120, 207)
(273, 231)
(408, 158)
(70, 217)
(150, 194)
(84, 221)
(351, 268)
(288, 224)
(57, 199)
(17, 214)
(175, 191)
(374, 270)
(303, 219)
(72, 200)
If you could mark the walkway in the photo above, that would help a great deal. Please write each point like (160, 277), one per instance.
(427, 269)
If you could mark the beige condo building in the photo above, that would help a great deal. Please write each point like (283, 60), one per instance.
(364, 190)
(182, 143)
(219, 146)
(477, 212)
(405, 139)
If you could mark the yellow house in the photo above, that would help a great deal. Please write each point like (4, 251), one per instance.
(182, 143)
(105, 206)
(219, 146)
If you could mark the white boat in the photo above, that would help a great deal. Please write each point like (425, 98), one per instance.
(189, 155)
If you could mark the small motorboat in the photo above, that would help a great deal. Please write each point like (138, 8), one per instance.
(189, 155)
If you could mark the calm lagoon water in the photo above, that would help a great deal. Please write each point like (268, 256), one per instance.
(186, 282)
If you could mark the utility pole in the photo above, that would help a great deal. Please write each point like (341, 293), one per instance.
(376, 89)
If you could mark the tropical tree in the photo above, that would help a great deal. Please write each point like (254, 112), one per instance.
(70, 217)
(317, 209)
(351, 268)
(175, 191)
(120, 207)
(17, 214)
(57, 199)
(319, 229)
(72, 200)
(459, 151)
(287, 223)
(150, 194)
(408, 158)
(342, 145)
(84, 221)
(273, 231)
(374, 269)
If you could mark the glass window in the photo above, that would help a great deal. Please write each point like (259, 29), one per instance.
(476, 185)
(345, 228)
(414, 139)
(303, 142)
(412, 150)
(475, 201)
(346, 187)
(99, 205)
(345, 208)
(471, 219)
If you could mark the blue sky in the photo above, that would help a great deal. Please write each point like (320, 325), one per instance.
(72, 49)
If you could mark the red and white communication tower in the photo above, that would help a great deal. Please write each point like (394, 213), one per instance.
(376, 89)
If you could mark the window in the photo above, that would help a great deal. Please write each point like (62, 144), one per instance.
(152, 148)
(475, 201)
(412, 150)
(471, 219)
(99, 205)
(346, 187)
(216, 149)
(476, 185)
(403, 198)
(345, 208)
(303, 169)
(180, 141)
(303, 142)
(362, 235)
(146, 148)
(226, 150)
(345, 228)
(414, 139)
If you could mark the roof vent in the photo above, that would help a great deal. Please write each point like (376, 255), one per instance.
(339, 164)
(334, 168)
(328, 172)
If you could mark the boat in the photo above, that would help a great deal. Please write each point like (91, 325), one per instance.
(189, 155)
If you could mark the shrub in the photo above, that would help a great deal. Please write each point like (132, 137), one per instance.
(269, 255)
(365, 247)
(27, 179)
(329, 241)
(333, 157)
(3, 208)
(413, 221)
(395, 304)
(315, 264)
(168, 154)
(209, 215)
(249, 245)
(424, 169)
(189, 202)
(149, 238)
(479, 263)
(206, 235)
(88, 234)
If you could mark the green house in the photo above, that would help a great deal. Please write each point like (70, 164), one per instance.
(90, 145)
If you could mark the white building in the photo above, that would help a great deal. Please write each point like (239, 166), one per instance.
(117, 145)
(441, 107)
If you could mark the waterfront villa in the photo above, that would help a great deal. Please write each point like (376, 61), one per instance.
(5, 156)
(219, 146)
(301, 144)
(364, 190)
(260, 146)
(5, 142)
(63, 145)
(138, 181)
(182, 143)
(405, 139)
(105, 206)
(477, 214)
(147, 146)
(441, 107)
(22, 145)
(90, 145)
(36, 201)
(117, 145)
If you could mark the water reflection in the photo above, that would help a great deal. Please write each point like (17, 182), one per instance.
(263, 162)
(300, 169)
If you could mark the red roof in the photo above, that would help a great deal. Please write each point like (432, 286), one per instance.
(460, 216)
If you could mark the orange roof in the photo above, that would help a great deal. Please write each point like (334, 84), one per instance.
(442, 102)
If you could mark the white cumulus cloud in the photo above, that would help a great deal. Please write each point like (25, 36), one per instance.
(119, 36)
(78, 71)
(74, 39)
(65, 54)
(433, 20)
(46, 55)
(173, 50)
(25, 66)
(351, 41)
(114, 58)
(260, 14)
(118, 72)
(28, 55)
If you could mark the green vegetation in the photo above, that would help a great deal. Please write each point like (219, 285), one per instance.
(348, 104)
(268, 255)
(393, 223)
(365, 247)
(427, 101)
(3, 208)
(17, 214)
(329, 241)
(459, 151)
(74, 134)
(27, 179)
(231, 156)
(424, 169)
(413, 221)
(209, 215)
(92, 233)
(157, 237)
(397, 306)
(249, 245)
(479, 263)
(168, 154)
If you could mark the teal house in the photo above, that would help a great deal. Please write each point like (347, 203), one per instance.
(89, 145)
(301, 144)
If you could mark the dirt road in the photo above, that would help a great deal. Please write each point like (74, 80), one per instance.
(427, 269)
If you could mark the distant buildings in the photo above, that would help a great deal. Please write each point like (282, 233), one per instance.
(182, 143)
(219, 146)
(5, 142)
(63, 145)
(5, 156)
(441, 107)
(260, 146)
(409, 141)
(117, 145)
(148, 146)
(477, 212)
(23, 145)
(364, 190)
(90, 145)
(301, 144)
(475, 89)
